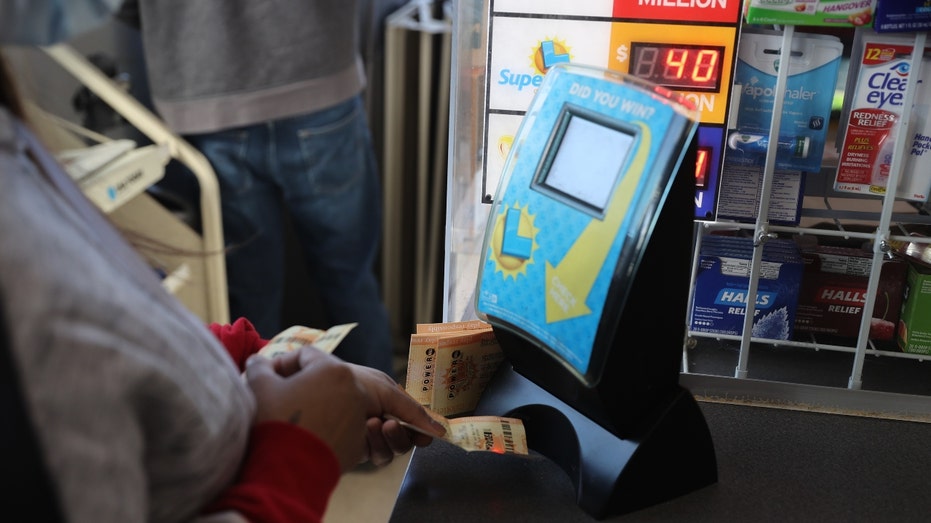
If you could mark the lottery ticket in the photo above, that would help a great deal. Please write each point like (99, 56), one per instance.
(448, 372)
(481, 433)
(298, 336)
(451, 326)
(421, 367)
(488, 433)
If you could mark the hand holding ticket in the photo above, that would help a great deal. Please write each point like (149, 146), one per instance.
(481, 433)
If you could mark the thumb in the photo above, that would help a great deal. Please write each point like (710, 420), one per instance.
(403, 408)
(258, 367)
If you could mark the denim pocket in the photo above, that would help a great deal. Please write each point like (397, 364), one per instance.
(335, 150)
(227, 152)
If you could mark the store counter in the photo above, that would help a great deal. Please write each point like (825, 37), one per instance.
(773, 465)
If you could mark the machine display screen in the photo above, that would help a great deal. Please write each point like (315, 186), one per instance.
(584, 159)
(680, 67)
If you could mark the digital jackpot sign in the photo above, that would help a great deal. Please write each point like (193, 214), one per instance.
(678, 67)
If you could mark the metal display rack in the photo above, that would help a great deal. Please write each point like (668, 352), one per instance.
(888, 223)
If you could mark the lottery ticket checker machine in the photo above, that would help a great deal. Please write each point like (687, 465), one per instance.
(584, 277)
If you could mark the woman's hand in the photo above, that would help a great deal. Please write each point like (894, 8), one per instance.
(387, 404)
(343, 404)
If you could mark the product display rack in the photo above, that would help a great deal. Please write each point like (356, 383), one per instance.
(889, 226)
(193, 262)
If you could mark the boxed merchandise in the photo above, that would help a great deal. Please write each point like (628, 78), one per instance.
(836, 13)
(917, 250)
(833, 293)
(902, 16)
(806, 104)
(878, 78)
(914, 332)
(719, 301)
(740, 188)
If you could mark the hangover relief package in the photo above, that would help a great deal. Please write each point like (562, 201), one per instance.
(836, 13)
(880, 72)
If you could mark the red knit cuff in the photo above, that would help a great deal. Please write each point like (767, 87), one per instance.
(289, 475)
(293, 460)
(240, 339)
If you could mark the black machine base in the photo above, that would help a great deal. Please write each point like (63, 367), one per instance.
(670, 454)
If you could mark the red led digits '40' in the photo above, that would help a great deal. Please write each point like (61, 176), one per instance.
(682, 67)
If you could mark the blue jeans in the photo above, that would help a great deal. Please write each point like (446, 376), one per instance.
(320, 169)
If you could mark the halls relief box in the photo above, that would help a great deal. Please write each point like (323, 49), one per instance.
(914, 330)
(722, 287)
(833, 293)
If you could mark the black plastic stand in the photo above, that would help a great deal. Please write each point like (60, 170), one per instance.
(668, 454)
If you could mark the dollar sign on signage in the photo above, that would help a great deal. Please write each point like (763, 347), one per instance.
(622, 53)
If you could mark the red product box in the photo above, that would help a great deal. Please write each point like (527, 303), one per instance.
(833, 293)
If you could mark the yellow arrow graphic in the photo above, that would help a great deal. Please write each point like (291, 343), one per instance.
(569, 283)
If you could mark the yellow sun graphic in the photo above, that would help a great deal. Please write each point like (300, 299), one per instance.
(525, 232)
(538, 57)
(504, 145)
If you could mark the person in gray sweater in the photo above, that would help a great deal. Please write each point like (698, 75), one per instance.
(138, 410)
(271, 94)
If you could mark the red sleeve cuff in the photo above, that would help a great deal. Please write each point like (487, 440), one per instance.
(288, 475)
(240, 339)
